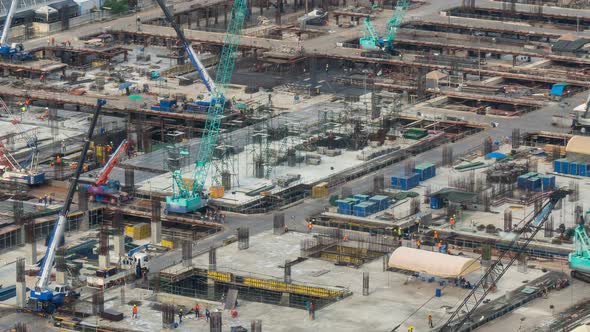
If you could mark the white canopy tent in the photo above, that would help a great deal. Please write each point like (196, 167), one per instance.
(432, 263)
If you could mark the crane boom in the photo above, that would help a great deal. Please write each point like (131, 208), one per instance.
(370, 38)
(185, 199)
(395, 21)
(207, 80)
(104, 173)
(223, 76)
(31, 139)
(41, 292)
(579, 258)
(480, 290)
(8, 22)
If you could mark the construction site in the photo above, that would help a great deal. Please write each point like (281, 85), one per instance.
(291, 165)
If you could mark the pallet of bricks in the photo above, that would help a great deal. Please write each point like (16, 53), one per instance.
(138, 231)
(320, 190)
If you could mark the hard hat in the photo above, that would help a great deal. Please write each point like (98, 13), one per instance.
(135, 305)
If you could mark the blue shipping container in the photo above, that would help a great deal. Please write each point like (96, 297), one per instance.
(548, 182)
(521, 181)
(557, 165)
(573, 168)
(395, 182)
(565, 166)
(435, 202)
(361, 197)
(372, 207)
(582, 169)
(380, 200)
(534, 184)
(344, 211)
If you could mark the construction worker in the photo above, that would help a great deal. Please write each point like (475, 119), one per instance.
(410, 328)
(452, 221)
(309, 226)
(180, 316)
(430, 321)
(418, 243)
(435, 235)
(197, 310)
(134, 311)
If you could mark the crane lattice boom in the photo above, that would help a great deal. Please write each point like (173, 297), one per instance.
(185, 199)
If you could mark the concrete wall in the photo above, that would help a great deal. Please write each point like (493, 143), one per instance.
(45, 28)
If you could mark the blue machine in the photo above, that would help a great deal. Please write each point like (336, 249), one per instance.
(165, 105)
(43, 298)
(14, 52)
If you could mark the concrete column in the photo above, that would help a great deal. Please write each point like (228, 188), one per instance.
(103, 261)
(21, 286)
(84, 222)
(60, 277)
(119, 245)
(31, 252)
(285, 299)
(210, 288)
(21, 294)
(198, 19)
(156, 234)
(225, 14)
(23, 235)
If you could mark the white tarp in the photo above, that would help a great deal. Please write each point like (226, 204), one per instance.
(582, 328)
(45, 10)
(432, 263)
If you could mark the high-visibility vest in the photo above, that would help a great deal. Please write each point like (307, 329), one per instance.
(452, 221)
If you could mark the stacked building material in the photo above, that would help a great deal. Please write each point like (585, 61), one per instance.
(405, 182)
(415, 133)
(565, 166)
(534, 181)
(320, 190)
(138, 231)
(381, 201)
(425, 170)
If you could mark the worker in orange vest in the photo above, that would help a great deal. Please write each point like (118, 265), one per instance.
(309, 226)
(435, 235)
(418, 243)
(134, 311)
(452, 221)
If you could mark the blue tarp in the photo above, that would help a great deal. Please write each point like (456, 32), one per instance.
(496, 155)
(125, 85)
(558, 89)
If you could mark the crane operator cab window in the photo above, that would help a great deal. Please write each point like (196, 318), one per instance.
(61, 289)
